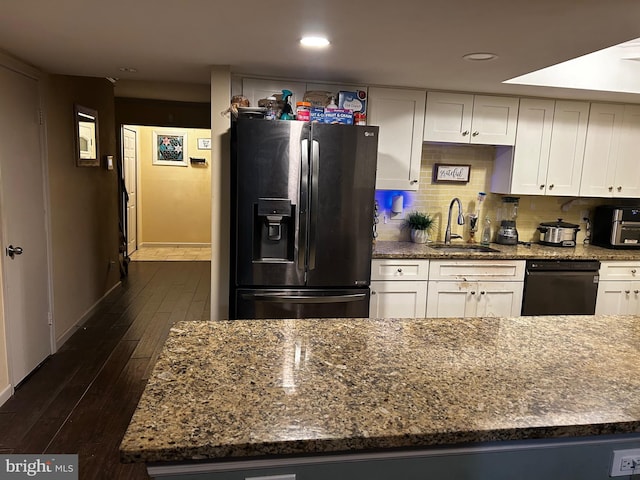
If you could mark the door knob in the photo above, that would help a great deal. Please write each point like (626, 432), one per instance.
(13, 251)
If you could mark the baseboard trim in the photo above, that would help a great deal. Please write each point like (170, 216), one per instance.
(174, 245)
(83, 319)
(5, 394)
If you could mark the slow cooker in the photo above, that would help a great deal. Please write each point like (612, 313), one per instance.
(558, 234)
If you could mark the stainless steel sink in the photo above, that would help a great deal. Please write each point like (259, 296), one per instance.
(463, 248)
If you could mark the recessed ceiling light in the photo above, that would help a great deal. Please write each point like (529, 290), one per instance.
(317, 42)
(128, 69)
(480, 56)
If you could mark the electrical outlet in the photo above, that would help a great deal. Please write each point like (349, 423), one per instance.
(625, 462)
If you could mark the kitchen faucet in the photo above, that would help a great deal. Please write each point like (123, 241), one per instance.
(447, 233)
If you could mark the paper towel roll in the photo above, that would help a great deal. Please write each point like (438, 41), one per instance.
(397, 204)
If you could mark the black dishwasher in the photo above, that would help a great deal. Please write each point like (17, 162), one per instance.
(560, 287)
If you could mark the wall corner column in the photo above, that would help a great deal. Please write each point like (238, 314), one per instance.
(220, 191)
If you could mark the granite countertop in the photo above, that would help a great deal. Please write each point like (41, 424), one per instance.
(289, 387)
(388, 249)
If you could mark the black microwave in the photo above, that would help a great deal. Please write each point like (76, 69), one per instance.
(616, 227)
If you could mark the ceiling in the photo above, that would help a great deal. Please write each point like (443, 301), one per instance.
(413, 43)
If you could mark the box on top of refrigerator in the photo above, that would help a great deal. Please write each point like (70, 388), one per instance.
(354, 101)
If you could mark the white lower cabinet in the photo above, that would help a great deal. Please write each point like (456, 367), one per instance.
(398, 288)
(475, 288)
(474, 299)
(618, 298)
(619, 288)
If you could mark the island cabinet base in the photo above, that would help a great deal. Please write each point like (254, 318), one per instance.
(587, 458)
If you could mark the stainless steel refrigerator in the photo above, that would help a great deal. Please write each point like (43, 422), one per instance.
(302, 218)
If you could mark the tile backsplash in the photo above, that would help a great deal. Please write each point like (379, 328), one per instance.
(434, 198)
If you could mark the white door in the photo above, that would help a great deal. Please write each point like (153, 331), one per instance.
(499, 299)
(130, 156)
(400, 116)
(398, 299)
(448, 117)
(451, 299)
(26, 275)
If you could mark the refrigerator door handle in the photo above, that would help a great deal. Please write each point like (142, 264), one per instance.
(280, 298)
(313, 207)
(303, 202)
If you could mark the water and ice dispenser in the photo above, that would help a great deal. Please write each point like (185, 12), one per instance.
(274, 229)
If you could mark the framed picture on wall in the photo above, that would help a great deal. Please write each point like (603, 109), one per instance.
(170, 148)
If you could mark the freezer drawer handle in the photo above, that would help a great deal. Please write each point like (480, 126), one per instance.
(277, 298)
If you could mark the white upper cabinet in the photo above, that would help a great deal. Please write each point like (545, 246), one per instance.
(463, 118)
(548, 152)
(400, 115)
(256, 88)
(610, 159)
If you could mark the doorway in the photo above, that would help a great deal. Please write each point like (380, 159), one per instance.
(167, 204)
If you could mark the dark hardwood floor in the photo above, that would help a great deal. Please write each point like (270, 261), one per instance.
(82, 398)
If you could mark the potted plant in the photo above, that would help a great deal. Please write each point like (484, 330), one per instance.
(420, 224)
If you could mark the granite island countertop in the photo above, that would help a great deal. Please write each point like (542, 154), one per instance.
(409, 250)
(246, 389)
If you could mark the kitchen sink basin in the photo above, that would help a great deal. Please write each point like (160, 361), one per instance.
(463, 248)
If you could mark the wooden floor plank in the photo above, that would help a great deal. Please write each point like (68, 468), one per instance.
(82, 399)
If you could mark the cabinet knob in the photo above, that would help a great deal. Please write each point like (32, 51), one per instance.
(636, 291)
(473, 292)
(413, 182)
(542, 187)
(633, 270)
(465, 133)
(481, 292)
(373, 292)
(551, 186)
(627, 292)
(475, 134)
(620, 188)
(611, 188)
(399, 270)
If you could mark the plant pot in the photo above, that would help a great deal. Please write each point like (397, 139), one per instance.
(419, 236)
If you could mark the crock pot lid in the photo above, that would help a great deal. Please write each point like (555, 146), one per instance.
(560, 224)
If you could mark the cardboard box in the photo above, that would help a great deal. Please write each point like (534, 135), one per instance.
(317, 114)
(338, 115)
(354, 101)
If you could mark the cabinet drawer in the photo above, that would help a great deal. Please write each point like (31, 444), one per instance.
(627, 270)
(399, 269)
(484, 270)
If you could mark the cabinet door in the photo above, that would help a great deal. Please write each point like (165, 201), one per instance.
(451, 299)
(533, 144)
(397, 299)
(613, 297)
(633, 307)
(494, 120)
(627, 176)
(499, 299)
(255, 89)
(400, 116)
(448, 117)
(601, 150)
(567, 147)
